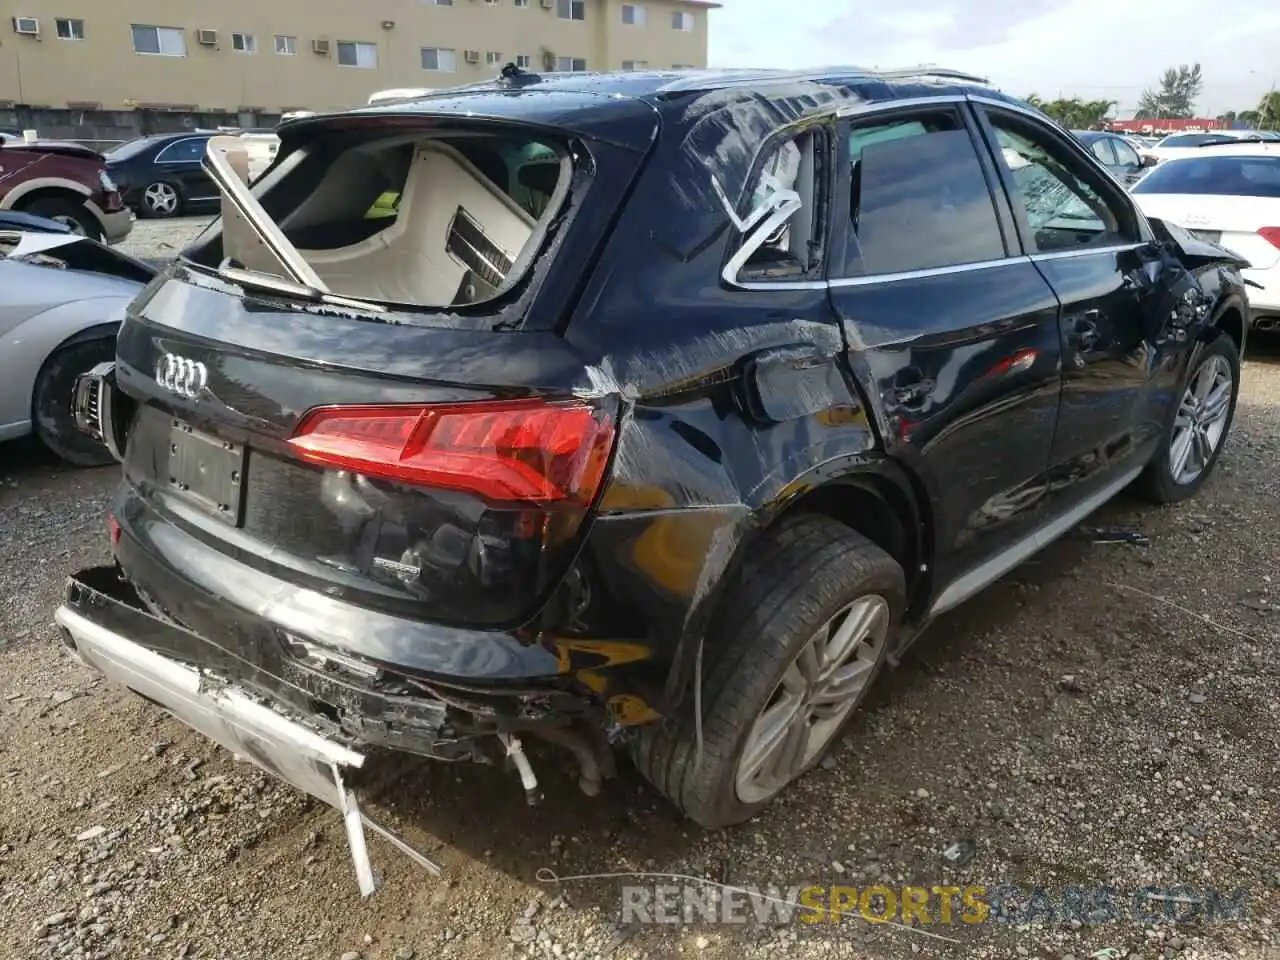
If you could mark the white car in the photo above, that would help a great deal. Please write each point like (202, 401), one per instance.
(1187, 144)
(62, 297)
(1229, 196)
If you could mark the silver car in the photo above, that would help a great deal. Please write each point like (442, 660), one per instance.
(62, 297)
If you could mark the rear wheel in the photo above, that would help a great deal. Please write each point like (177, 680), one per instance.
(54, 418)
(1197, 428)
(70, 212)
(803, 637)
(161, 200)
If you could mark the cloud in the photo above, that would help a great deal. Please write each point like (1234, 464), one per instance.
(1098, 49)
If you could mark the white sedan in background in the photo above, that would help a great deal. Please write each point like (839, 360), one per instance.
(1229, 195)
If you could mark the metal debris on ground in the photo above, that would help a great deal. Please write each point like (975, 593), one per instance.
(959, 852)
(1117, 535)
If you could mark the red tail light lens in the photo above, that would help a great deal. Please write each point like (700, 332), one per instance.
(519, 451)
(113, 525)
(1271, 235)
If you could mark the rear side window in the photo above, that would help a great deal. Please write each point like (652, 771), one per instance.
(183, 151)
(794, 249)
(918, 197)
(1216, 176)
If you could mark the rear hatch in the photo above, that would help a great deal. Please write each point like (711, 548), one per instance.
(406, 434)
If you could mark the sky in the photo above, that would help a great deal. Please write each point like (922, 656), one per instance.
(1093, 49)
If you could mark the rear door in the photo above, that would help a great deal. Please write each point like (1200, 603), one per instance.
(952, 330)
(1085, 238)
(181, 163)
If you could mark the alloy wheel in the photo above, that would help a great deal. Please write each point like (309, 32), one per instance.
(819, 689)
(160, 198)
(1201, 420)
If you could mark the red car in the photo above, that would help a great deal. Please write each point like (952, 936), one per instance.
(65, 182)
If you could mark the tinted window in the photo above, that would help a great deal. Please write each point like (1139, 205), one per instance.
(184, 151)
(919, 198)
(1065, 202)
(1217, 176)
(1126, 156)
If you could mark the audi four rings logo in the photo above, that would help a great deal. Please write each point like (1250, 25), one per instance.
(182, 376)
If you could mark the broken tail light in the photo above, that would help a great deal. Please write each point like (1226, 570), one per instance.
(534, 452)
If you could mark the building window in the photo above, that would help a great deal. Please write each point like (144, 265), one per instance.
(491, 3)
(439, 59)
(682, 20)
(522, 61)
(571, 64)
(286, 46)
(635, 64)
(159, 41)
(69, 29)
(443, 3)
(353, 53)
(522, 3)
(633, 15)
(244, 43)
(493, 57)
(571, 9)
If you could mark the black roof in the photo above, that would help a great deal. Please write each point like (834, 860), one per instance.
(662, 84)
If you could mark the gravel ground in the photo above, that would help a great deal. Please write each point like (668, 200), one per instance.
(1074, 725)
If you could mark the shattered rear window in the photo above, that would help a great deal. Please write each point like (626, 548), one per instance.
(427, 221)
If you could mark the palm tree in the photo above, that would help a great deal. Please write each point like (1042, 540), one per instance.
(1269, 110)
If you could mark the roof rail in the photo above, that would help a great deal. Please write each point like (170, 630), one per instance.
(941, 73)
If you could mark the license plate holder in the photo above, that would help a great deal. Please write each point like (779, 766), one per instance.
(207, 472)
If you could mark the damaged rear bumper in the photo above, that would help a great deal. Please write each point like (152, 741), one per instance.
(223, 712)
(227, 714)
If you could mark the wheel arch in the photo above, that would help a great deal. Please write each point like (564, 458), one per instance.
(1230, 318)
(98, 331)
(43, 188)
(871, 494)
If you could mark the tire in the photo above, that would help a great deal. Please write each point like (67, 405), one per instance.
(811, 570)
(160, 200)
(1158, 482)
(73, 214)
(52, 413)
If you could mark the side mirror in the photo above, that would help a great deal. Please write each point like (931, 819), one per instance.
(1148, 161)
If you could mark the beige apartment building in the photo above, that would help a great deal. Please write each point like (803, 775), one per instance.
(273, 55)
